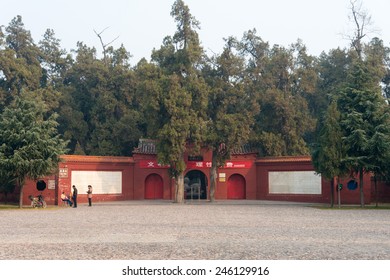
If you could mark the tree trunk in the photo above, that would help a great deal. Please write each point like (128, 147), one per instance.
(20, 184)
(213, 176)
(179, 188)
(361, 188)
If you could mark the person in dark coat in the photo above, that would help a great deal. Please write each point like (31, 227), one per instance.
(74, 196)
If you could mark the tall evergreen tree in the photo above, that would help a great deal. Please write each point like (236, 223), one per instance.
(54, 60)
(332, 75)
(231, 108)
(362, 106)
(283, 79)
(19, 62)
(183, 95)
(99, 111)
(328, 152)
(31, 146)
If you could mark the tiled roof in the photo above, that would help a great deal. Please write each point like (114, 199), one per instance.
(284, 159)
(83, 158)
(148, 146)
(244, 150)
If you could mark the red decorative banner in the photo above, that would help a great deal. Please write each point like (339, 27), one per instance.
(151, 164)
(228, 164)
(238, 164)
(199, 164)
(196, 164)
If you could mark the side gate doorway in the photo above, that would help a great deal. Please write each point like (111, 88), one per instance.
(195, 185)
(236, 187)
(154, 187)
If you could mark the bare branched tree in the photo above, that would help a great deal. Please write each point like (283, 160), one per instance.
(104, 46)
(363, 25)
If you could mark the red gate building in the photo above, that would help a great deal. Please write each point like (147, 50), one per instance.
(245, 176)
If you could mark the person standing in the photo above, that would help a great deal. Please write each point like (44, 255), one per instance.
(74, 196)
(89, 192)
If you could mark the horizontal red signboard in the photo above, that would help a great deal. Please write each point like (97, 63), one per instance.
(151, 164)
(228, 164)
(197, 164)
(238, 164)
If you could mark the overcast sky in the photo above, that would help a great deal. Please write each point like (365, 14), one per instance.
(142, 24)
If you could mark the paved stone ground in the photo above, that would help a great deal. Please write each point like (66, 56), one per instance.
(222, 230)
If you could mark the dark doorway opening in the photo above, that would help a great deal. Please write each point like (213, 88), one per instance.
(195, 185)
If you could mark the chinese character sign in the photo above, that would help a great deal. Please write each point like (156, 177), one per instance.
(151, 164)
(228, 164)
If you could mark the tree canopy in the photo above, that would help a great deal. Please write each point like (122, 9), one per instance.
(353, 138)
(31, 146)
(280, 99)
(182, 99)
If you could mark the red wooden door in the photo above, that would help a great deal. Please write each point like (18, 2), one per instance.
(236, 187)
(154, 187)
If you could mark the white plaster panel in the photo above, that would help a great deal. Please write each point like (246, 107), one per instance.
(294, 182)
(102, 182)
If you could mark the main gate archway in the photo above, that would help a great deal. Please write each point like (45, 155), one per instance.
(195, 185)
(236, 187)
(154, 187)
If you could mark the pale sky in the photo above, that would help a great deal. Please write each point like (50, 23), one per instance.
(142, 24)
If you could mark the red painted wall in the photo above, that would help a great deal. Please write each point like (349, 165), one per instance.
(382, 193)
(236, 187)
(348, 196)
(95, 163)
(49, 193)
(154, 187)
(136, 169)
(248, 172)
(266, 165)
(142, 170)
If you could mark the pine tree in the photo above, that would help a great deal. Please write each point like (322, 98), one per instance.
(362, 107)
(182, 95)
(231, 108)
(31, 147)
(328, 152)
